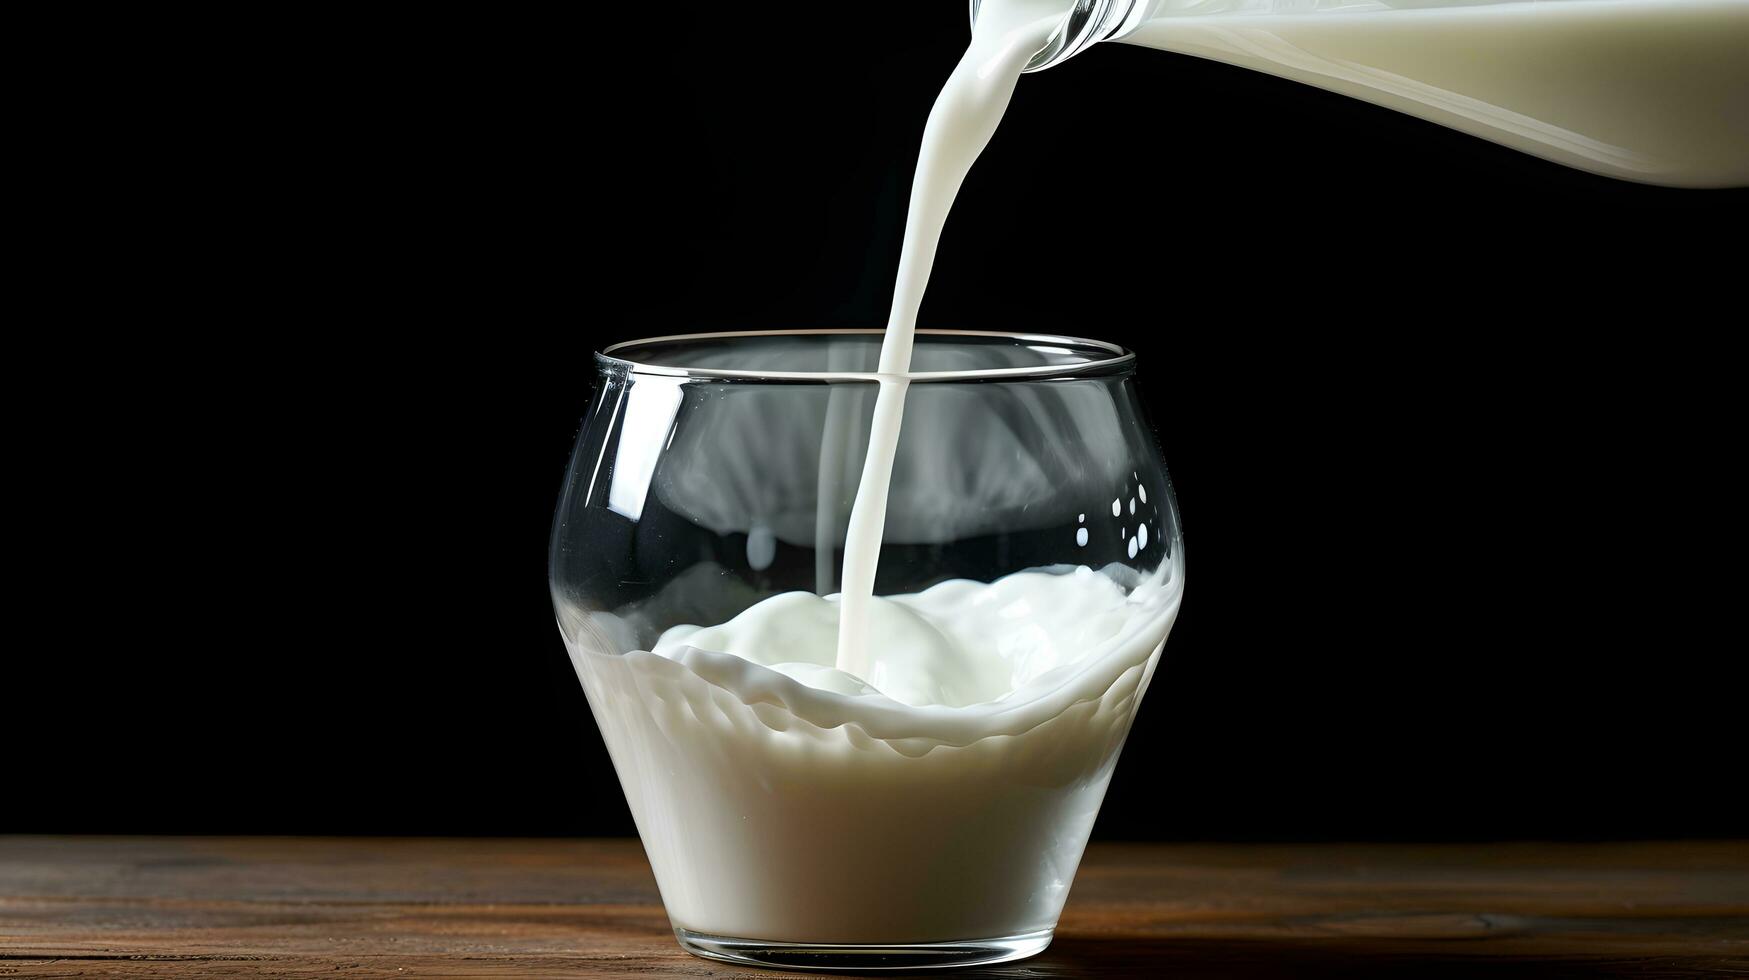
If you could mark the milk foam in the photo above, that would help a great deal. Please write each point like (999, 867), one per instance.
(959, 646)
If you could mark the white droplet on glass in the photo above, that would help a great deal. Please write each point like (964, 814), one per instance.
(1082, 519)
(1132, 505)
(1132, 547)
(1116, 507)
(1081, 536)
(761, 547)
(1142, 536)
(1144, 492)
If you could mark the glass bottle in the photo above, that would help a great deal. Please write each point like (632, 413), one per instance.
(1655, 91)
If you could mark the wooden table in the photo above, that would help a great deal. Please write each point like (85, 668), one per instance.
(279, 907)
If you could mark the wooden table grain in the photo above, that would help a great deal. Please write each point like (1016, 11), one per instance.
(284, 907)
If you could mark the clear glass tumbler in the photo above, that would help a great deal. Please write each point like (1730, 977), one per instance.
(1032, 566)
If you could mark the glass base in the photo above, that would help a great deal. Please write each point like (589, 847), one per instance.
(847, 956)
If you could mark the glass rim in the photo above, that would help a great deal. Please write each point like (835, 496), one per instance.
(1120, 360)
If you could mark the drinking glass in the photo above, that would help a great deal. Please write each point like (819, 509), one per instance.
(792, 825)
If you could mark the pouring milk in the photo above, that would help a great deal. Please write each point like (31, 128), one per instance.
(825, 722)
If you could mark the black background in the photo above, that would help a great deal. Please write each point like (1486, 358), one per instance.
(1453, 429)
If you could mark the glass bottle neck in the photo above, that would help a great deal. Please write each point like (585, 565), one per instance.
(1085, 23)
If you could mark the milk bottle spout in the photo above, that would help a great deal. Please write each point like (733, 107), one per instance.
(1084, 23)
(1655, 91)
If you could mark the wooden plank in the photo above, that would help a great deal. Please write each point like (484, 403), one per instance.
(246, 907)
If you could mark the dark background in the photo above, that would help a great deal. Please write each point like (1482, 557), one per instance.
(1452, 428)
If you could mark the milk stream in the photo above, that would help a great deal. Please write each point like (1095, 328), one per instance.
(960, 126)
